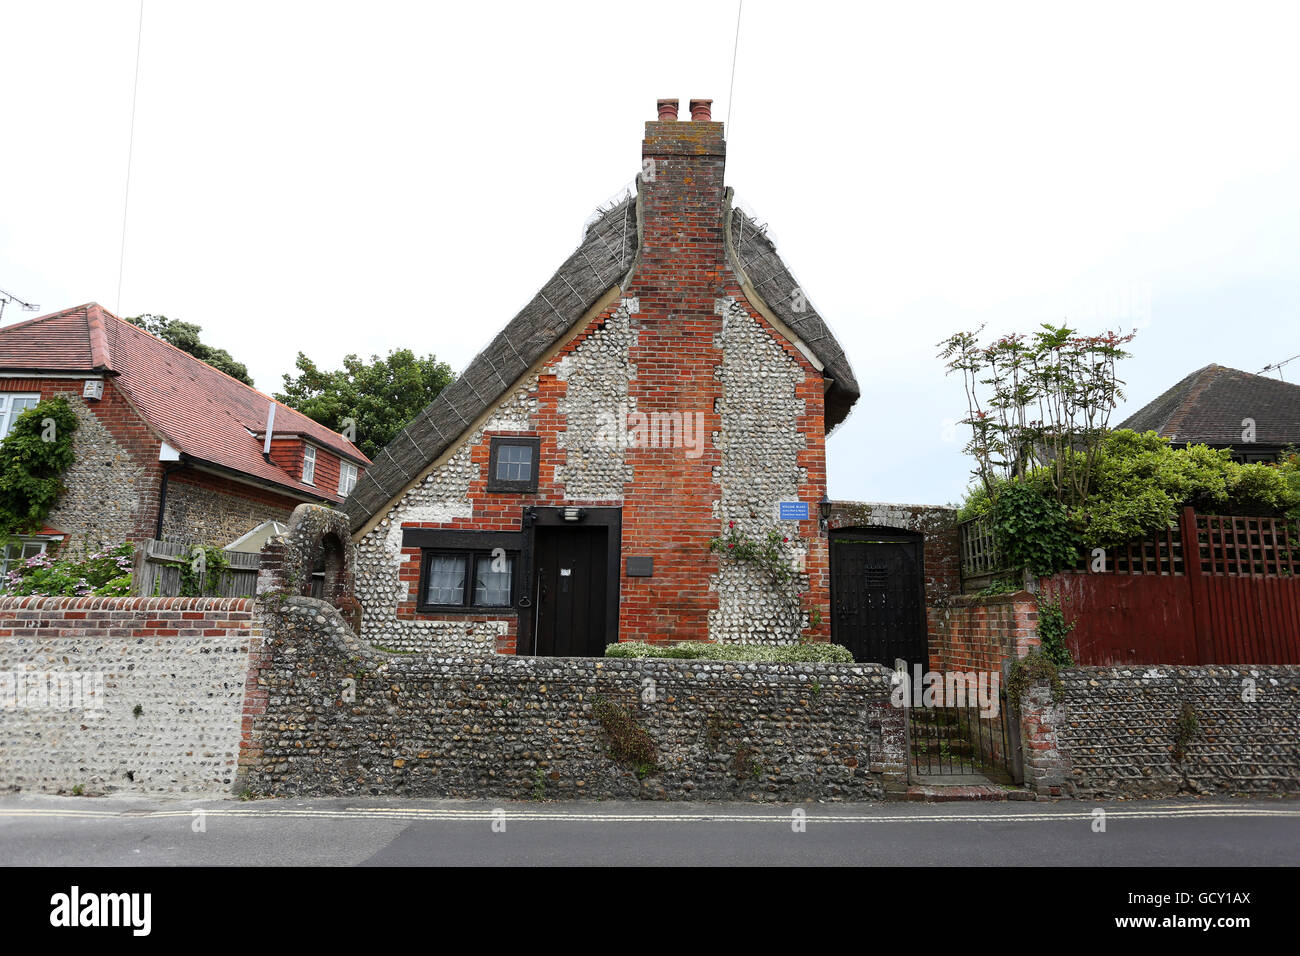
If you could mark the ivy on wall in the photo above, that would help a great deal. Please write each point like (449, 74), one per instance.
(33, 458)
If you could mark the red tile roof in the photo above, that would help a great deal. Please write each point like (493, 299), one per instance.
(200, 411)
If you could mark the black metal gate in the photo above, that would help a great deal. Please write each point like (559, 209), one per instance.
(963, 740)
(878, 595)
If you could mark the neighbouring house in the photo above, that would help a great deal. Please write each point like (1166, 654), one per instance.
(670, 385)
(1255, 417)
(166, 446)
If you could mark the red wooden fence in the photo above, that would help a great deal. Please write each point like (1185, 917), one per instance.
(1233, 598)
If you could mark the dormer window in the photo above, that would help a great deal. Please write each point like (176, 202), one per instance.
(512, 465)
(309, 465)
(347, 478)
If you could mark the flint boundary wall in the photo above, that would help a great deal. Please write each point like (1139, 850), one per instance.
(1114, 732)
(344, 717)
(123, 694)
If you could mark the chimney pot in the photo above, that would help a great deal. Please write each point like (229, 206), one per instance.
(701, 110)
(668, 110)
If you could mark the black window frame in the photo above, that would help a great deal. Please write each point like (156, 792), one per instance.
(496, 485)
(467, 606)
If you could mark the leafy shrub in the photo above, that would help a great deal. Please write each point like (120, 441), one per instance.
(1033, 531)
(813, 653)
(33, 457)
(1142, 480)
(103, 573)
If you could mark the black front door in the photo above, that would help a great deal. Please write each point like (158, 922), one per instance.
(878, 596)
(571, 590)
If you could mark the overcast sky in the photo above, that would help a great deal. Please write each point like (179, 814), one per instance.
(356, 177)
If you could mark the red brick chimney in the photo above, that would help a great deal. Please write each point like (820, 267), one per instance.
(681, 275)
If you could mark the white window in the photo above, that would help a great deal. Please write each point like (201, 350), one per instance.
(347, 479)
(309, 465)
(14, 554)
(13, 404)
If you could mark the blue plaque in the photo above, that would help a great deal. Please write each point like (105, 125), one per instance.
(794, 510)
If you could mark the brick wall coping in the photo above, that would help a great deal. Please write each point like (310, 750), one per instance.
(39, 602)
(981, 600)
(890, 504)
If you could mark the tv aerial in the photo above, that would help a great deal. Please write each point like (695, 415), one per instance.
(6, 298)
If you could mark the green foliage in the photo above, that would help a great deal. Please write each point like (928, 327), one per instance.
(102, 573)
(377, 398)
(539, 785)
(1030, 669)
(1001, 586)
(811, 653)
(204, 573)
(976, 503)
(33, 457)
(770, 554)
(185, 336)
(1185, 727)
(1033, 531)
(629, 742)
(1053, 630)
(1142, 480)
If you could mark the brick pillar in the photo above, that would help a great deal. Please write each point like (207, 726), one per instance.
(1045, 768)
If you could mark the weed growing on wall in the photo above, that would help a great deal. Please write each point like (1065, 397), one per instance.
(1053, 630)
(630, 743)
(1030, 669)
(1185, 727)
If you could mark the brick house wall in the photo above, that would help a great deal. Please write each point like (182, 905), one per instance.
(680, 342)
(113, 486)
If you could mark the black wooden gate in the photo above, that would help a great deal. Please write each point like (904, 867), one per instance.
(878, 595)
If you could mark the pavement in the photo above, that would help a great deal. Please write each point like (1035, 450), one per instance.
(119, 830)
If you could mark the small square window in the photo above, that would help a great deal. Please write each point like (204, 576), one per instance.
(446, 581)
(512, 464)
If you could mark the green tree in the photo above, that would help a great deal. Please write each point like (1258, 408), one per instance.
(369, 402)
(185, 336)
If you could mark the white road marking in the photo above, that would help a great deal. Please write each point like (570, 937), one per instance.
(408, 814)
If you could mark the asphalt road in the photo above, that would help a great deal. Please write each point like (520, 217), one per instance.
(40, 830)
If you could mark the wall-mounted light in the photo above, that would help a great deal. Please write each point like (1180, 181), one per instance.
(824, 509)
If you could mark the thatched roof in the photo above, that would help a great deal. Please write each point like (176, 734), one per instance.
(606, 258)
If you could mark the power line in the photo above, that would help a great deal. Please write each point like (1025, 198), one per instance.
(130, 152)
(1277, 366)
(735, 51)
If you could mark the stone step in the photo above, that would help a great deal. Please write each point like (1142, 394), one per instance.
(941, 793)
